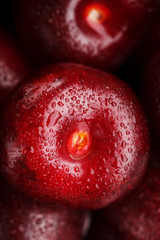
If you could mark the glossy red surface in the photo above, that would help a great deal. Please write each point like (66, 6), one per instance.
(151, 93)
(13, 66)
(42, 114)
(138, 216)
(23, 218)
(100, 34)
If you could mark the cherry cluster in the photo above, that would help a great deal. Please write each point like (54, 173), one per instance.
(80, 120)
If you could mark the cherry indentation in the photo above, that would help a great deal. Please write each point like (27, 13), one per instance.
(96, 13)
(79, 144)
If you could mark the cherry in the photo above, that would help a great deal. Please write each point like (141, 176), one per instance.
(138, 216)
(100, 34)
(13, 67)
(23, 218)
(151, 93)
(74, 135)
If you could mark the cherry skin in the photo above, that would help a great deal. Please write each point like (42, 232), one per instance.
(23, 218)
(138, 216)
(74, 135)
(151, 93)
(13, 66)
(98, 33)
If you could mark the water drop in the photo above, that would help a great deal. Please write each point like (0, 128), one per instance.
(130, 150)
(32, 149)
(134, 119)
(123, 144)
(60, 104)
(53, 118)
(97, 186)
(124, 158)
(119, 133)
(126, 168)
(106, 102)
(92, 171)
(66, 100)
(127, 132)
(53, 105)
(74, 98)
(113, 104)
(71, 111)
(72, 92)
(51, 130)
(76, 169)
(122, 124)
(62, 96)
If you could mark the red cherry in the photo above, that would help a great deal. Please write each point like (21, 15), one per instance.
(23, 218)
(100, 34)
(13, 66)
(151, 93)
(138, 216)
(74, 135)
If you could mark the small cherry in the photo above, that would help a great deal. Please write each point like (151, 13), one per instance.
(99, 33)
(13, 66)
(138, 216)
(74, 135)
(23, 218)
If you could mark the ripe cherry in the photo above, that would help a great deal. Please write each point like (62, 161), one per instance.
(138, 216)
(100, 34)
(23, 218)
(13, 66)
(74, 135)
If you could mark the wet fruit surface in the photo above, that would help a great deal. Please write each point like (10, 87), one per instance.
(23, 218)
(100, 34)
(138, 216)
(74, 135)
(13, 66)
